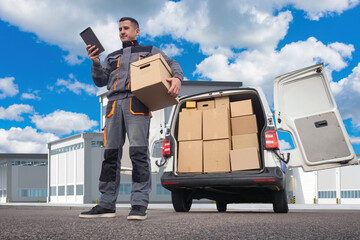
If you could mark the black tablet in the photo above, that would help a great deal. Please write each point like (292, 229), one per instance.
(90, 38)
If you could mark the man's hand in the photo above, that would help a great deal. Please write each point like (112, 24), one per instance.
(175, 85)
(92, 53)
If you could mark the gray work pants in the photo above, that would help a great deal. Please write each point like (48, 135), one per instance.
(129, 116)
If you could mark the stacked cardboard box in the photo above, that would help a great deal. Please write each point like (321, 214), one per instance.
(212, 141)
(190, 158)
(205, 136)
(216, 135)
(245, 146)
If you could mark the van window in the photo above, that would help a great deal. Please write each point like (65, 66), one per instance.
(157, 149)
(285, 140)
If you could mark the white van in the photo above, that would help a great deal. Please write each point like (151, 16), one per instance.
(304, 107)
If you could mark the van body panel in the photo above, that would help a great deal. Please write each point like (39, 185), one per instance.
(305, 107)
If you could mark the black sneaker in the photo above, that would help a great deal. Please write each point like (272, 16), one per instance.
(137, 213)
(98, 212)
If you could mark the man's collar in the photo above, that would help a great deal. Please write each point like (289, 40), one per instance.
(130, 43)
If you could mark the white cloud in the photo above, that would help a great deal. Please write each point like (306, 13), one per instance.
(220, 25)
(62, 122)
(284, 145)
(317, 9)
(75, 86)
(27, 140)
(355, 140)
(32, 95)
(255, 68)
(73, 59)
(347, 95)
(60, 22)
(8, 88)
(171, 50)
(314, 10)
(15, 111)
(215, 25)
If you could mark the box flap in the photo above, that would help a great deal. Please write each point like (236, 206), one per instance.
(147, 60)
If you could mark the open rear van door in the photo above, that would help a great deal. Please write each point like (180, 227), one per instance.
(156, 134)
(305, 107)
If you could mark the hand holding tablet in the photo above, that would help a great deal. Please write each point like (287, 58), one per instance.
(94, 47)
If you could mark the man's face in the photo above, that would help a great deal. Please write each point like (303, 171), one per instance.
(127, 31)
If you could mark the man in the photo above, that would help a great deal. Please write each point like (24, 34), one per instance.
(126, 114)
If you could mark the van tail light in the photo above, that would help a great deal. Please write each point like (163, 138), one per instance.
(166, 148)
(271, 140)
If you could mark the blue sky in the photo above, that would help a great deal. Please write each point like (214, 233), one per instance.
(46, 90)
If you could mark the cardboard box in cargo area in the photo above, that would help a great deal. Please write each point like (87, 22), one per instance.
(244, 125)
(216, 124)
(188, 109)
(148, 82)
(241, 108)
(204, 105)
(190, 125)
(190, 104)
(190, 158)
(216, 155)
(244, 159)
(222, 102)
(245, 141)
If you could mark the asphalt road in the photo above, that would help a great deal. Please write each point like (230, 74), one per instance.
(63, 223)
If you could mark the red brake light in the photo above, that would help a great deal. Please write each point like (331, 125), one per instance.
(271, 140)
(166, 148)
(265, 180)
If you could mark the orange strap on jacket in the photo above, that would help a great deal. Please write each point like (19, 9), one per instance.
(117, 66)
(104, 136)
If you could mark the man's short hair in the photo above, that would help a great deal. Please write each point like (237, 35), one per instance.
(132, 20)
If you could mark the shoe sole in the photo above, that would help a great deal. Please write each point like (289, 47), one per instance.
(137, 217)
(104, 215)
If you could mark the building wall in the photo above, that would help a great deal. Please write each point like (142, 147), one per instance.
(3, 180)
(28, 183)
(326, 186)
(330, 186)
(66, 171)
(23, 177)
(350, 184)
(303, 186)
(94, 154)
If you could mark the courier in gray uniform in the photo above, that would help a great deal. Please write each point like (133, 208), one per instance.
(125, 114)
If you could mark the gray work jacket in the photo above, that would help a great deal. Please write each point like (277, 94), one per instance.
(115, 70)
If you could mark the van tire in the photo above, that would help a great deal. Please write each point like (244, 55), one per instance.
(221, 206)
(181, 201)
(280, 204)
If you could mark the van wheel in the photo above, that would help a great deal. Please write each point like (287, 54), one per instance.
(221, 206)
(280, 204)
(181, 201)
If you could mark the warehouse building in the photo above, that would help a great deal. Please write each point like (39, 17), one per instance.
(23, 177)
(73, 167)
(330, 186)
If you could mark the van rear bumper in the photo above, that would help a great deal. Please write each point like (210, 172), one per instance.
(271, 178)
